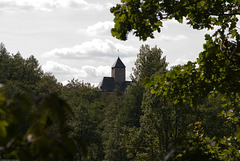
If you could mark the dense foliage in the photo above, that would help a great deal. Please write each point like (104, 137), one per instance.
(143, 17)
(33, 118)
(82, 123)
(190, 112)
(190, 87)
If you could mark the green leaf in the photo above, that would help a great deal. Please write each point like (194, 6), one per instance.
(3, 128)
(234, 33)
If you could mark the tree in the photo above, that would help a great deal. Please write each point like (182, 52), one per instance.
(217, 70)
(87, 105)
(198, 147)
(219, 64)
(140, 135)
(185, 85)
(19, 75)
(27, 129)
(112, 129)
(48, 85)
(4, 63)
(144, 17)
(149, 63)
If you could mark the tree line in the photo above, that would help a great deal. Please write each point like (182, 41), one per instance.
(187, 112)
(41, 119)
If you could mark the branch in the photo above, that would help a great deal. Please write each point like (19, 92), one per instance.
(211, 14)
(183, 7)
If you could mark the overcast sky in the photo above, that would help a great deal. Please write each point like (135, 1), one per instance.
(72, 39)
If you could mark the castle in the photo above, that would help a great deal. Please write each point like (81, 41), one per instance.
(117, 79)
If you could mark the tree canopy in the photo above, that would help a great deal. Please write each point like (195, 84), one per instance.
(215, 73)
(149, 62)
(138, 124)
(189, 112)
(143, 17)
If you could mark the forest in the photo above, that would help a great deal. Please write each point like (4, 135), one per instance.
(136, 124)
(185, 112)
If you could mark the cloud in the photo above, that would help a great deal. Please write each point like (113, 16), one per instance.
(99, 71)
(90, 49)
(172, 38)
(87, 73)
(63, 70)
(183, 59)
(180, 61)
(48, 5)
(100, 28)
(169, 23)
(89, 61)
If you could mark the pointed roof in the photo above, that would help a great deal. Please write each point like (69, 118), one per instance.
(118, 64)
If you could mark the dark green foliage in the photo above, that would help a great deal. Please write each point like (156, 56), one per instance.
(194, 85)
(24, 76)
(140, 136)
(87, 105)
(194, 108)
(48, 85)
(144, 17)
(149, 63)
(19, 75)
(36, 131)
(130, 112)
(112, 129)
(196, 146)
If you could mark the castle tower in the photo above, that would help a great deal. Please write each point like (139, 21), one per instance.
(118, 71)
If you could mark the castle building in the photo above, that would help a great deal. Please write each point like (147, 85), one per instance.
(117, 78)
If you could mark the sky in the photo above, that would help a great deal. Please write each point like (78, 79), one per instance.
(72, 38)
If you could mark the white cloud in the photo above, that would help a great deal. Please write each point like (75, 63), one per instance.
(183, 59)
(99, 71)
(100, 28)
(48, 5)
(64, 70)
(87, 73)
(89, 61)
(180, 61)
(172, 38)
(90, 49)
(110, 5)
(168, 23)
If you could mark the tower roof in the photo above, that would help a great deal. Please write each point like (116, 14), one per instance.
(118, 64)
